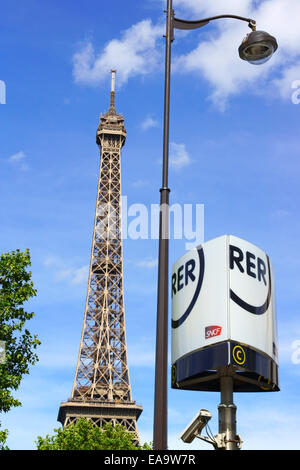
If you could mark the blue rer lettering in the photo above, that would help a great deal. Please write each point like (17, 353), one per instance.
(182, 276)
(254, 266)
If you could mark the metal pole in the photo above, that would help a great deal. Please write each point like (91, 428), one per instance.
(227, 414)
(161, 361)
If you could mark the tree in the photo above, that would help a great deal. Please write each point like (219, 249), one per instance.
(84, 435)
(16, 288)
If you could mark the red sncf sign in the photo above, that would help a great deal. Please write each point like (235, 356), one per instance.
(211, 331)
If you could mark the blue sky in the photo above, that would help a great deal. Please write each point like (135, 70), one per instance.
(235, 148)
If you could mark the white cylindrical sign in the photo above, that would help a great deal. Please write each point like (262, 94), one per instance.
(223, 313)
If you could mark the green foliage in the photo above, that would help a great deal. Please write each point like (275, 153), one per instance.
(83, 435)
(16, 288)
(3, 437)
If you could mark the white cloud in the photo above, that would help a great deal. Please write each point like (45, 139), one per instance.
(64, 272)
(80, 275)
(202, 8)
(134, 54)
(288, 85)
(16, 157)
(179, 156)
(148, 123)
(18, 160)
(140, 183)
(51, 260)
(75, 276)
(281, 214)
(217, 61)
(214, 58)
(148, 263)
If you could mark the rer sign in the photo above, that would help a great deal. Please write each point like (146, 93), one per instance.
(223, 313)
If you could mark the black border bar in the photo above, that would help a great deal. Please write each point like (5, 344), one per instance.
(253, 370)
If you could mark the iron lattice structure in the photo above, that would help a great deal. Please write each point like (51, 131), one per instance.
(101, 390)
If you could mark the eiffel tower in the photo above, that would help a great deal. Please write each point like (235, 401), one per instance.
(101, 390)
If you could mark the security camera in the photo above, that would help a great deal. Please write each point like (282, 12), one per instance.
(196, 425)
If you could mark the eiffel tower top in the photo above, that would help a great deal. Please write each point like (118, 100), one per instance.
(111, 122)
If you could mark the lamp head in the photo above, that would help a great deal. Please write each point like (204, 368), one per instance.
(257, 47)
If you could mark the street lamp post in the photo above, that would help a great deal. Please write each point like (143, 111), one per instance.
(257, 47)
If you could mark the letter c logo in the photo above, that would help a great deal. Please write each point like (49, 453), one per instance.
(239, 355)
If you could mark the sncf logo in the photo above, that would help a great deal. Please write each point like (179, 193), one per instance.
(211, 331)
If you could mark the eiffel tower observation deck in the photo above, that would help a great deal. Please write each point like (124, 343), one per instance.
(101, 390)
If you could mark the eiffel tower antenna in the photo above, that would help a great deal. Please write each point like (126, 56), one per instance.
(112, 92)
(101, 390)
